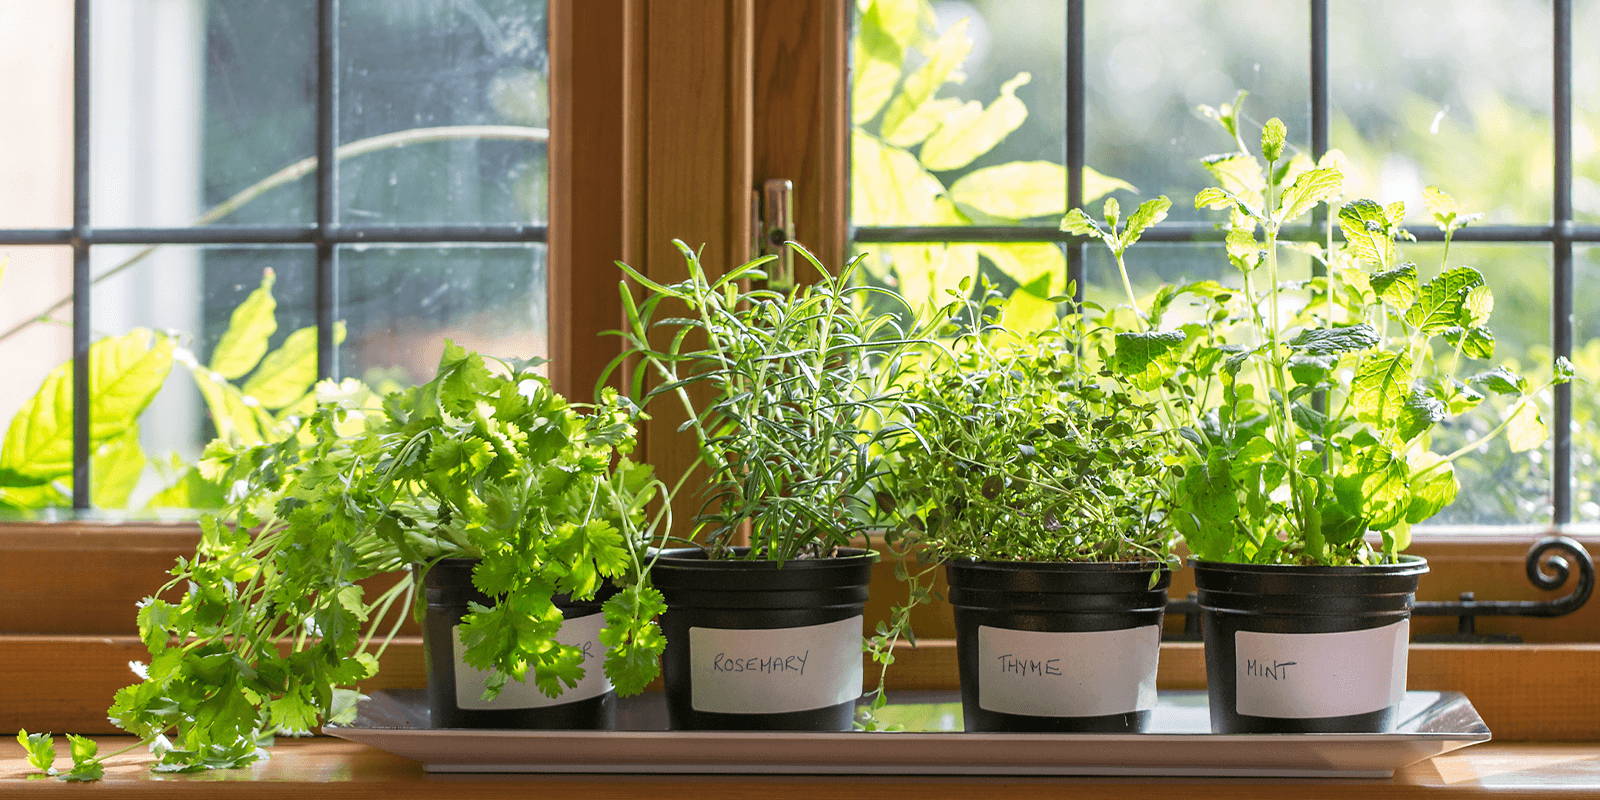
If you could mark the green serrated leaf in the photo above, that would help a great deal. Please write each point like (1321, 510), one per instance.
(1273, 135)
(41, 750)
(1149, 214)
(1310, 188)
(1396, 287)
(1433, 486)
(287, 373)
(1525, 429)
(1441, 302)
(1144, 355)
(1420, 412)
(1366, 229)
(1329, 341)
(1379, 389)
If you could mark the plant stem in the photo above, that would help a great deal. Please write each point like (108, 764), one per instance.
(298, 170)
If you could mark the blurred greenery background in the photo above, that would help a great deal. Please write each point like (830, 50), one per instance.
(1423, 92)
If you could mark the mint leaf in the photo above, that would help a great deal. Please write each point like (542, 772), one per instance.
(1420, 412)
(1379, 388)
(1479, 341)
(1273, 135)
(1500, 380)
(1563, 371)
(1396, 287)
(1366, 230)
(1149, 214)
(1146, 356)
(1081, 224)
(1328, 341)
(1525, 430)
(1441, 302)
(1433, 486)
(1310, 188)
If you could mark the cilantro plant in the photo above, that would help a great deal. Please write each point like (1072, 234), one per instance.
(1307, 407)
(265, 627)
(786, 394)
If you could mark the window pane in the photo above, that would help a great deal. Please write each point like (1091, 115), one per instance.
(1151, 64)
(1585, 402)
(32, 279)
(36, 82)
(475, 76)
(1586, 113)
(995, 141)
(1499, 487)
(402, 303)
(1435, 92)
(197, 100)
(235, 385)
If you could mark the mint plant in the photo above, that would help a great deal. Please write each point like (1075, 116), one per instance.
(267, 626)
(1307, 406)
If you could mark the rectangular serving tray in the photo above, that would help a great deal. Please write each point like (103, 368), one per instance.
(1179, 743)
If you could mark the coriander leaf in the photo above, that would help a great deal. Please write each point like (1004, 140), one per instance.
(85, 765)
(41, 749)
(632, 638)
(1328, 341)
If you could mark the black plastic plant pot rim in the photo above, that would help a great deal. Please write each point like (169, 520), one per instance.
(1034, 601)
(1348, 591)
(738, 602)
(448, 587)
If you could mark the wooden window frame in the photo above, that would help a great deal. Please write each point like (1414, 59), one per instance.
(656, 135)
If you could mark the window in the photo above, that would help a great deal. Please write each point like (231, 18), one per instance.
(1062, 103)
(379, 165)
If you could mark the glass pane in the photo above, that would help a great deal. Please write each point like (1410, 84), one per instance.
(401, 303)
(32, 281)
(466, 85)
(995, 141)
(1151, 64)
(1434, 92)
(196, 101)
(1499, 487)
(1585, 400)
(36, 82)
(236, 385)
(1586, 114)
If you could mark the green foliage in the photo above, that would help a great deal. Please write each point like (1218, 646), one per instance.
(126, 373)
(485, 461)
(1310, 408)
(1024, 452)
(786, 394)
(912, 153)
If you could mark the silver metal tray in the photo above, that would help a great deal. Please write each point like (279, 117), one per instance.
(1179, 743)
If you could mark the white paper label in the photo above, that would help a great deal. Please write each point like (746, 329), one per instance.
(775, 670)
(581, 632)
(1311, 675)
(1067, 674)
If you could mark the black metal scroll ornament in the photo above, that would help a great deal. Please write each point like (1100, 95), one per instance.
(1550, 564)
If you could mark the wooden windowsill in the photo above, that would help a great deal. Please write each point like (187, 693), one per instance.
(330, 768)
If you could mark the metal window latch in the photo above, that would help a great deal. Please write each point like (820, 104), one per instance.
(774, 226)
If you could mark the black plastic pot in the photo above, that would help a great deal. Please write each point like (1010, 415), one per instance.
(1292, 649)
(758, 645)
(1057, 646)
(519, 705)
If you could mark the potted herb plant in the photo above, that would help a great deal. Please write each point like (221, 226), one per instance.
(519, 508)
(1310, 411)
(785, 394)
(1038, 482)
